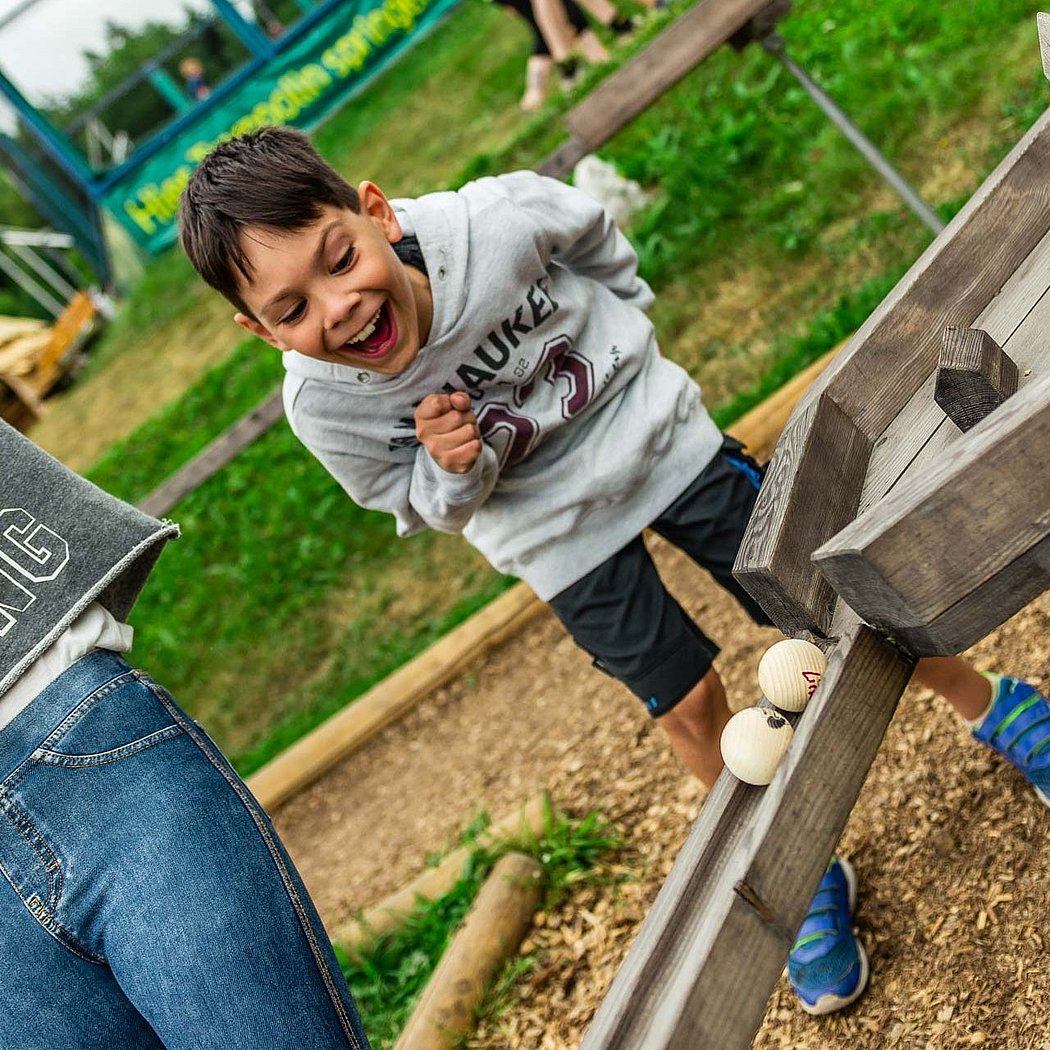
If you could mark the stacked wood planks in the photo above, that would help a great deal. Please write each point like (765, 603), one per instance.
(34, 356)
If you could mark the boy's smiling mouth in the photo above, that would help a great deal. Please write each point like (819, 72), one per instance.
(365, 332)
(377, 338)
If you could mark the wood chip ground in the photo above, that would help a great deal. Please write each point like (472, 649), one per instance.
(949, 843)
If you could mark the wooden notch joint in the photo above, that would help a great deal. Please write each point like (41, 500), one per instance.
(759, 27)
(974, 376)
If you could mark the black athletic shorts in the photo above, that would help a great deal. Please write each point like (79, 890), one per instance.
(621, 612)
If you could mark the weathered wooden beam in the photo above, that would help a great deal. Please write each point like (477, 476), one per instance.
(974, 376)
(810, 491)
(950, 554)
(701, 969)
(950, 284)
(879, 371)
(920, 434)
(659, 66)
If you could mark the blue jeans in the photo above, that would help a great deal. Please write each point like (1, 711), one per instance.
(146, 900)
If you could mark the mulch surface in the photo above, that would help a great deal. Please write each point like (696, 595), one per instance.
(949, 843)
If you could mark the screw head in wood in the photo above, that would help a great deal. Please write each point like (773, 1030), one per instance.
(789, 673)
(753, 743)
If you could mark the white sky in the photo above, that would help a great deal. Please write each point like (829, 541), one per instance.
(42, 51)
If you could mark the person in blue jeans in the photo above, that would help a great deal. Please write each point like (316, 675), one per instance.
(146, 900)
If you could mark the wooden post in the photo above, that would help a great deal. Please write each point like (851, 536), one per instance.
(820, 462)
(490, 934)
(713, 945)
(974, 376)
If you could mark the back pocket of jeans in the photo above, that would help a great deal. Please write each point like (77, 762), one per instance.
(119, 719)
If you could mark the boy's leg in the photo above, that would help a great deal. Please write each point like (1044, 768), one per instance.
(1007, 714)
(158, 868)
(827, 965)
(707, 522)
(965, 688)
(695, 726)
(622, 615)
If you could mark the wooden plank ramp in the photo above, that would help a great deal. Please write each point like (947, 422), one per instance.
(707, 956)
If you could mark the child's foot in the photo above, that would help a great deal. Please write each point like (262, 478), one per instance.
(827, 966)
(537, 74)
(1017, 725)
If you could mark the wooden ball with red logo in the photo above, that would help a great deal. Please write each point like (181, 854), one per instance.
(789, 673)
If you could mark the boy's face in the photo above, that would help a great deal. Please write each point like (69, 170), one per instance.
(336, 291)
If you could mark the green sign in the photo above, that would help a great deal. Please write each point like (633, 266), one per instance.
(298, 86)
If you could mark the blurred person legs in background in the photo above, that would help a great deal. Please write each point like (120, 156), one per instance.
(560, 31)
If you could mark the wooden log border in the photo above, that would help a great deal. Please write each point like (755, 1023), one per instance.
(334, 739)
(489, 936)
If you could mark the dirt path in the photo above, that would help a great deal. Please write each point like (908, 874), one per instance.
(949, 843)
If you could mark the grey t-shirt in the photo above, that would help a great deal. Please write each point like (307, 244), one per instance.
(94, 628)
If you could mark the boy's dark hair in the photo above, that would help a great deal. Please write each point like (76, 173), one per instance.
(271, 178)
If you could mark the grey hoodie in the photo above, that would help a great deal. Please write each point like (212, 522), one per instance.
(539, 315)
(63, 544)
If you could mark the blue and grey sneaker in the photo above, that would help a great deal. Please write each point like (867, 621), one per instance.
(1017, 725)
(828, 967)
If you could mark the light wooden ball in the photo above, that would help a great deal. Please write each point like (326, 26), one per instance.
(753, 743)
(789, 673)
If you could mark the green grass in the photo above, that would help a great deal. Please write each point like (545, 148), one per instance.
(388, 977)
(283, 601)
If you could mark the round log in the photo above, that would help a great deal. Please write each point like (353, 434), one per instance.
(489, 936)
